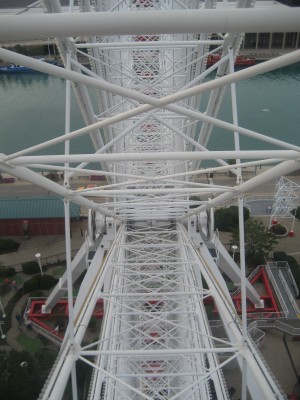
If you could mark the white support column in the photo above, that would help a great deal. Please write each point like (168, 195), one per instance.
(243, 292)
(235, 115)
(68, 235)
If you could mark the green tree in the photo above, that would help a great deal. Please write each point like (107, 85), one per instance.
(20, 376)
(296, 212)
(30, 267)
(227, 218)
(46, 357)
(259, 241)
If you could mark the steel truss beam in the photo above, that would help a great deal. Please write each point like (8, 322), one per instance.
(148, 72)
(165, 337)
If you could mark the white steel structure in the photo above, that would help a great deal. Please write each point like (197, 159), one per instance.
(286, 200)
(152, 260)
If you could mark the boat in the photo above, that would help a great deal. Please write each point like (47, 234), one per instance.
(15, 68)
(240, 60)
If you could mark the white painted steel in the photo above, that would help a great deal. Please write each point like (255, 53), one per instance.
(285, 200)
(150, 131)
(145, 44)
(149, 22)
(163, 155)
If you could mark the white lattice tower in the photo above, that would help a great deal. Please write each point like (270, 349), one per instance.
(151, 262)
(286, 199)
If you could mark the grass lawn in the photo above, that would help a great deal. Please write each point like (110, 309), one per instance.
(58, 272)
(18, 279)
(209, 310)
(29, 344)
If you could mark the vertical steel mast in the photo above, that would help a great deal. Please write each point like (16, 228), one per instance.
(142, 75)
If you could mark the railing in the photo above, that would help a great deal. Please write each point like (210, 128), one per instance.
(216, 356)
(279, 324)
(266, 315)
(216, 323)
(28, 305)
(254, 272)
(278, 264)
(278, 320)
(292, 330)
(247, 200)
(284, 264)
(90, 390)
(258, 336)
(288, 292)
(277, 291)
(47, 261)
(45, 387)
(48, 379)
(291, 276)
(258, 198)
(47, 334)
(264, 365)
(43, 331)
(249, 277)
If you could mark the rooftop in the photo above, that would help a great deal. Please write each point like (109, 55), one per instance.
(35, 207)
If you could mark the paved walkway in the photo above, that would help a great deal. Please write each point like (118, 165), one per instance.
(17, 328)
(48, 246)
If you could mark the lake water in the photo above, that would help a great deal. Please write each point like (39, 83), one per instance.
(32, 110)
(268, 104)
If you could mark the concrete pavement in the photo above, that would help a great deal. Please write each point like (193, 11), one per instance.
(47, 246)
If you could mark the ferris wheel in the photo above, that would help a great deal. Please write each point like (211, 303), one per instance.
(150, 95)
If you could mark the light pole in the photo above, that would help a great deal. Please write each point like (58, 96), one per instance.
(24, 364)
(234, 249)
(2, 334)
(38, 256)
(2, 309)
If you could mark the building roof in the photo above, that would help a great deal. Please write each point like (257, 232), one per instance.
(35, 207)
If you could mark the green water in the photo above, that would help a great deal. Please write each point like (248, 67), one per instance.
(32, 110)
(268, 104)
